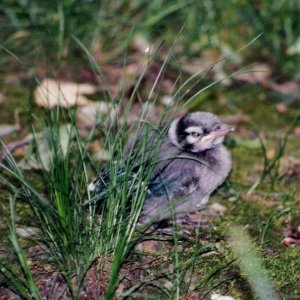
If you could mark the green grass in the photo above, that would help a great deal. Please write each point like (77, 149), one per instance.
(60, 38)
(64, 229)
(75, 237)
(76, 240)
(48, 27)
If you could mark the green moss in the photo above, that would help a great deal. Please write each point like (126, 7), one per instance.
(284, 269)
(245, 164)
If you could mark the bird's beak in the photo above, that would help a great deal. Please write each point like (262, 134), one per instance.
(219, 133)
(224, 130)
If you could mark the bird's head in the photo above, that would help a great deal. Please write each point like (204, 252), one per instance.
(197, 132)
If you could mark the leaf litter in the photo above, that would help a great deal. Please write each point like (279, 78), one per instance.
(43, 150)
(51, 93)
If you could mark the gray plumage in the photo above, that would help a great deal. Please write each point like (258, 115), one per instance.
(192, 163)
(199, 166)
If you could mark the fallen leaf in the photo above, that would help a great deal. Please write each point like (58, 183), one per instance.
(45, 153)
(207, 59)
(16, 146)
(65, 133)
(95, 146)
(169, 285)
(220, 74)
(291, 237)
(261, 76)
(290, 166)
(288, 87)
(271, 153)
(2, 98)
(102, 155)
(26, 232)
(6, 129)
(94, 112)
(217, 209)
(19, 152)
(260, 73)
(51, 93)
(282, 108)
(296, 131)
(153, 247)
(290, 242)
(208, 64)
(221, 297)
(194, 295)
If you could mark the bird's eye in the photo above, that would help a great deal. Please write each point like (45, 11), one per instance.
(195, 134)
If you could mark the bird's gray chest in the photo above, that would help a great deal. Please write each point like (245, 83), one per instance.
(215, 172)
(194, 173)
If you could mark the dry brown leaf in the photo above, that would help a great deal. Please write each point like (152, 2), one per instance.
(288, 87)
(282, 108)
(151, 246)
(46, 157)
(260, 73)
(291, 237)
(290, 242)
(207, 59)
(51, 93)
(28, 231)
(290, 166)
(217, 209)
(221, 297)
(297, 131)
(2, 98)
(19, 152)
(209, 62)
(88, 115)
(7, 129)
(271, 153)
(102, 155)
(98, 152)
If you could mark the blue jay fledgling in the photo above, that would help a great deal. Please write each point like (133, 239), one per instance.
(191, 163)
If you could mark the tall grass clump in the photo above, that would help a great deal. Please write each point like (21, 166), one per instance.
(67, 235)
(72, 233)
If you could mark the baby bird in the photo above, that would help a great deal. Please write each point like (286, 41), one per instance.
(191, 164)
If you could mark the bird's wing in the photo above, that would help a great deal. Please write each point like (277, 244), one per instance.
(178, 181)
(177, 178)
(99, 187)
